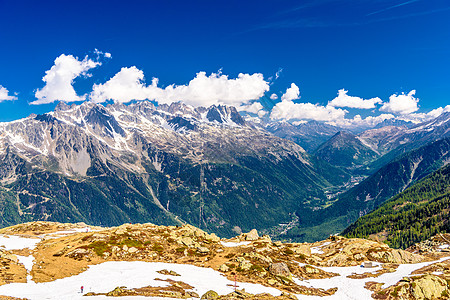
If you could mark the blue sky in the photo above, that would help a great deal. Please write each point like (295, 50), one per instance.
(372, 49)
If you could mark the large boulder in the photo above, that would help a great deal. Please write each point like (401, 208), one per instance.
(210, 295)
(396, 256)
(429, 287)
(250, 236)
(301, 249)
(280, 269)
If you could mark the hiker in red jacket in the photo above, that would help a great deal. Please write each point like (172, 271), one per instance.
(82, 289)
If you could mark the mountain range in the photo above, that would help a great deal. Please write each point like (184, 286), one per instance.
(176, 164)
(169, 164)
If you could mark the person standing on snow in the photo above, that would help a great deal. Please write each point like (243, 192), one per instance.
(82, 288)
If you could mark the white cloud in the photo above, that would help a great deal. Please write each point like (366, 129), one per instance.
(344, 100)
(288, 110)
(401, 104)
(278, 73)
(274, 96)
(300, 111)
(59, 79)
(4, 94)
(292, 93)
(423, 117)
(128, 84)
(358, 121)
(203, 90)
(101, 54)
(255, 108)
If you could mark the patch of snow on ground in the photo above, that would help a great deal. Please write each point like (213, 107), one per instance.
(75, 230)
(13, 242)
(402, 271)
(234, 244)
(444, 246)
(107, 276)
(353, 289)
(27, 261)
(316, 250)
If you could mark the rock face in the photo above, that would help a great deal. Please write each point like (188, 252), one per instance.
(396, 256)
(429, 287)
(425, 287)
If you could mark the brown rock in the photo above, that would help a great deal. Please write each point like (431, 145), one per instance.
(252, 235)
(210, 295)
(429, 287)
(280, 269)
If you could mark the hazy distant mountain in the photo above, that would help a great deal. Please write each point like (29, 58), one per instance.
(394, 122)
(308, 135)
(346, 150)
(394, 141)
(372, 149)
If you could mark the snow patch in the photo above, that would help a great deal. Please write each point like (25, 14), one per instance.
(234, 244)
(13, 242)
(105, 277)
(26, 261)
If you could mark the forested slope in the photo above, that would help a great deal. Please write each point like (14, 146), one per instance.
(412, 216)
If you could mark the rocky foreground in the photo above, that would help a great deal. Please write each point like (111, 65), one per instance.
(39, 253)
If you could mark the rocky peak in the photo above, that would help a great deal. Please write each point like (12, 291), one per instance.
(224, 114)
(62, 106)
(179, 108)
(100, 118)
(48, 118)
(182, 124)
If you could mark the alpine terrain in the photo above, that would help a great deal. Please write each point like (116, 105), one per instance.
(171, 164)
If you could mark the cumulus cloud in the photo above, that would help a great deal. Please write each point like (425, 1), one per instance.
(4, 94)
(203, 90)
(255, 108)
(423, 117)
(292, 93)
(128, 84)
(358, 121)
(289, 110)
(274, 97)
(401, 104)
(59, 79)
(344, 100)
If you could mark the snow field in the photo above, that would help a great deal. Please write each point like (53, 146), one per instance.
(13, 242)
(107, 276)
(234, 244)
(353, 289)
